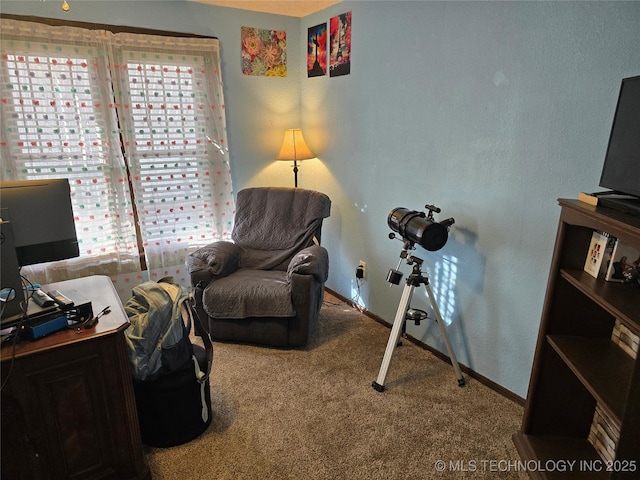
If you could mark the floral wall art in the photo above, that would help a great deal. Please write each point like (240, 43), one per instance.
(264, 52)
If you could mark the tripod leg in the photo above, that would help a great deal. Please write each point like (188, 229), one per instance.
(393, 337)
(445, 336)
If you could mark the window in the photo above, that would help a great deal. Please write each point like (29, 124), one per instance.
(115, 111)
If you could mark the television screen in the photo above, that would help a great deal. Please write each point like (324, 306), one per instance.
(621, 170)
(41, 217)
(36, 226)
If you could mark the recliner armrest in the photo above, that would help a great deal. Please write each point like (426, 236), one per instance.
(312, 260)
(217, 259)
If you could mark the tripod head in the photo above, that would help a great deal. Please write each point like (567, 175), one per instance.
(395, 275)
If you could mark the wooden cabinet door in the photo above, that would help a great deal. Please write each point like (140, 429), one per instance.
(71, 414)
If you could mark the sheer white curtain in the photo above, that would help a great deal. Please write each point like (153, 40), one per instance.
(59, 121)
(171, 110)
(73, 100)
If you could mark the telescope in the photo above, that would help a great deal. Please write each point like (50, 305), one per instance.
(415, 227)
(418, 227)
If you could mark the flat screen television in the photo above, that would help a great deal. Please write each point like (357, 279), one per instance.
(37, 226)
(621, 170)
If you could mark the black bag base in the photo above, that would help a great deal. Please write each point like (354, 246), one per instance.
(170, 408)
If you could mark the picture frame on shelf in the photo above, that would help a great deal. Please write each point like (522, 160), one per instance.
(624, 260)
(596, 253)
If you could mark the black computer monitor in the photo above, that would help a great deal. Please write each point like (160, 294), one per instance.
(621, 169)
(37, 225)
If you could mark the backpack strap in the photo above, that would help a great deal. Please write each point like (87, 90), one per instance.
(190, 315)
(187, 308)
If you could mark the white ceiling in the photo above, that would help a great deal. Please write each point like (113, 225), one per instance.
(292, 8)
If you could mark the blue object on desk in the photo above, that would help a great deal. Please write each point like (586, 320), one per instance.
(6, 292)
(49, 326)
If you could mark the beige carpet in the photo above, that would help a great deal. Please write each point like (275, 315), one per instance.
(312, 413)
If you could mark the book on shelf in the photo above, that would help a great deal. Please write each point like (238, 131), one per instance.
(597, 247)
(623, 259)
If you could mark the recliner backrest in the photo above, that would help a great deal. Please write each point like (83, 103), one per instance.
(273, 223)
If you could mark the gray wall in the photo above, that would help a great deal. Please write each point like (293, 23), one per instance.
(490, 110)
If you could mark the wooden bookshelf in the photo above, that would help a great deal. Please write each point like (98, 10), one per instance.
(577, 367)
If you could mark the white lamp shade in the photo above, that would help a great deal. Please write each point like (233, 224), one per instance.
(294, 147)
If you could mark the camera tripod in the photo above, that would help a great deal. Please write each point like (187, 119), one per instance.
(414, 280)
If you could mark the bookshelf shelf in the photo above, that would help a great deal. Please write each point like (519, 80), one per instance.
(622, 301)
(607, 378)
(582, 382)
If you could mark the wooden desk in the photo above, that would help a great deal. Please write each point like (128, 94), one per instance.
(68, 408)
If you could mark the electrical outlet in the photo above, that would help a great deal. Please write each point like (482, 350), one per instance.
(361, 269)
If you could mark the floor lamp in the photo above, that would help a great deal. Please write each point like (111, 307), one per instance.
(294, 148)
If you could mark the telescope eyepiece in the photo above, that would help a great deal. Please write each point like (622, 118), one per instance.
(448, 222)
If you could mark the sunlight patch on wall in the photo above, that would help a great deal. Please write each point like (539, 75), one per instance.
(443, 284)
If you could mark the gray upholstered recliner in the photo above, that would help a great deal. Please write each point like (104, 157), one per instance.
(267, 285)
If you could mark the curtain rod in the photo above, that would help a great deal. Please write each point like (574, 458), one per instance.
(56, 22)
